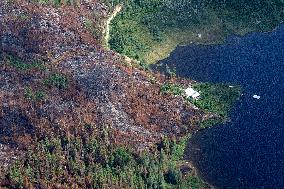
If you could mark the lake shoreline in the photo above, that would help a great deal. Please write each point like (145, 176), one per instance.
(259, 44)
(222, 40)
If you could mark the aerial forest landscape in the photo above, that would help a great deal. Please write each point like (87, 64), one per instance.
(134, 94)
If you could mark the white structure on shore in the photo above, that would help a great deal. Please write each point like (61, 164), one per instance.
(190, 92)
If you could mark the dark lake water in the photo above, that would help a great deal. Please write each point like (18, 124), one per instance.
(248, 152)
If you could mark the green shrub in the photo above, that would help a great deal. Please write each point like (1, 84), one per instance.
(16, 175)
(192, 182)
(37, 95)
(57, 2)
(172, 177)
(121, 157)
(172, 89)
(216, 98)
(57, 80)
(24, 66)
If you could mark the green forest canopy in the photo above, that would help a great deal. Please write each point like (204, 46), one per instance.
(143, 25)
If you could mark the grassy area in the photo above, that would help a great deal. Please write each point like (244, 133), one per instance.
(34, 95)
(89, 160)
(57, 2)
(57, 80)
(149, 30)
(216, 98)
(169, 88)
(24, 66)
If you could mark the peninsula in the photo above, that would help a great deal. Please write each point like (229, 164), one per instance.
(75, 113)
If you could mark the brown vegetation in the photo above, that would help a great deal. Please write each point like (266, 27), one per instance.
(100, 89)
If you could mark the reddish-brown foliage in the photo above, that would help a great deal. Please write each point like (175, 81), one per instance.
(102, 91)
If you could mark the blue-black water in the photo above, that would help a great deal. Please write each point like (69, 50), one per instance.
(248, 152)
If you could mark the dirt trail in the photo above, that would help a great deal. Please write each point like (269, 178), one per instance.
(116, 10)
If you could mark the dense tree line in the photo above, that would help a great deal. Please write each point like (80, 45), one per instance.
(90, 160)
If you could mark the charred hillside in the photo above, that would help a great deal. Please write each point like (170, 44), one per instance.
(57, 80)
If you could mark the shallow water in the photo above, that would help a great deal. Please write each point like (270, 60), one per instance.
(248, 152)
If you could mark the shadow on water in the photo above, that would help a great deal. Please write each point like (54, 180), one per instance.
(248, 152)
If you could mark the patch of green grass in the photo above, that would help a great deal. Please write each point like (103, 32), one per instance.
(25, 66)
(32, 95)
(16, 175)
(57, 2)
(95, 30)
(57, 80)
(129, 38)
(216, 98)
(173, 89)
(192, 183)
